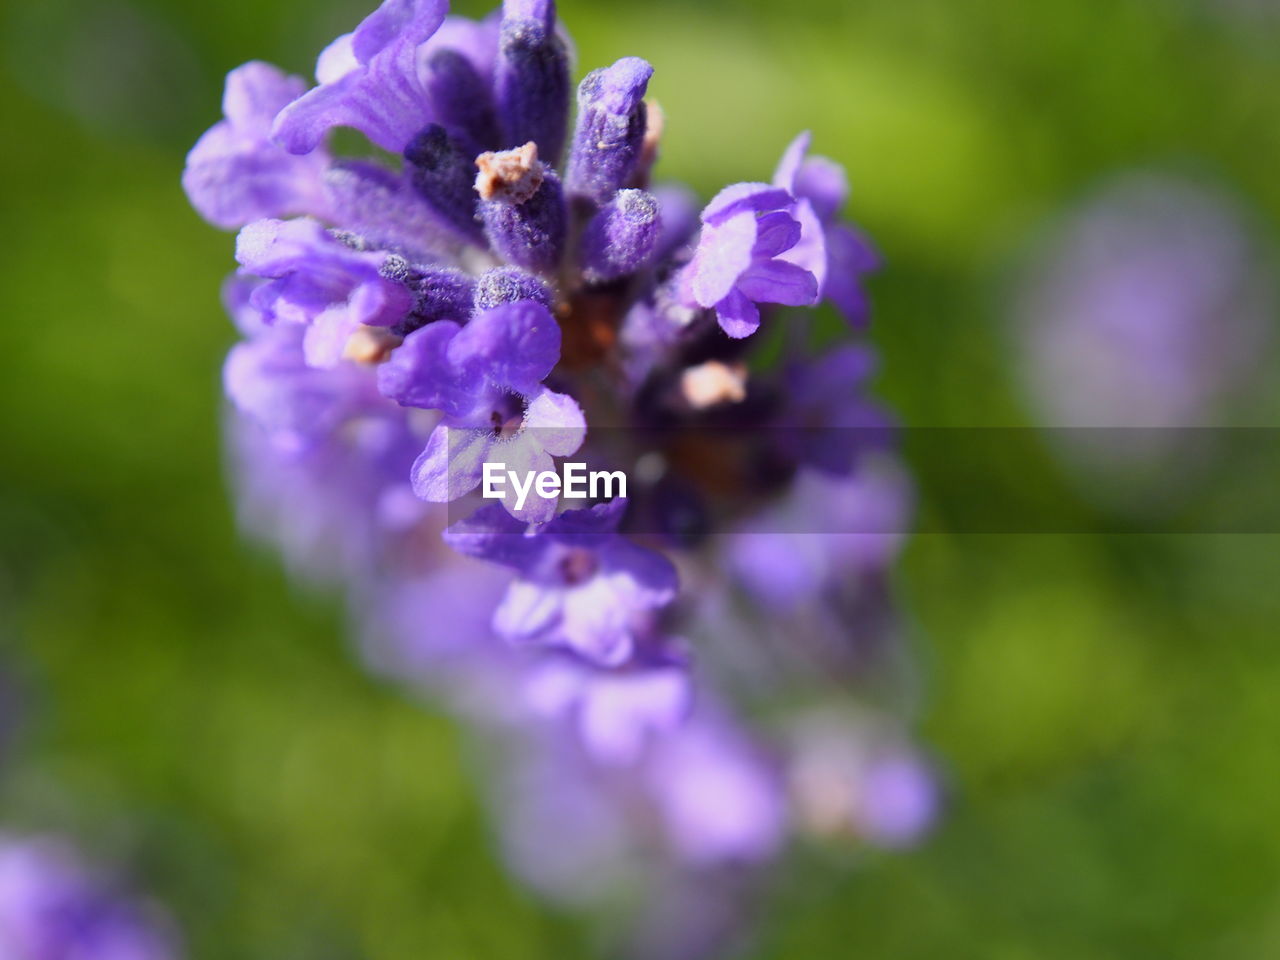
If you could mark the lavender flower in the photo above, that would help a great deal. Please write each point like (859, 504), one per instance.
(487, 379)
(369, 80)
(236, 174)
(477, 302)
(53, 908)
(739, 264)
(581, 585)
(1148, 308)
(836, 253)
(319, 282)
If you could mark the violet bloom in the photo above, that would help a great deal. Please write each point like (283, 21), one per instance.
(718, 794)
(582, 586)
(616, 712)
(487, 378)
(53, 908)
(853, 775)
(836, 253)
(1147, 309)
(739, 264)
(320, 282)
(236, 173)
(369, 80)
(480, 299)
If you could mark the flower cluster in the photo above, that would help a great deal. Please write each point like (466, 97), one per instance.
(52, 907)
(515, 288)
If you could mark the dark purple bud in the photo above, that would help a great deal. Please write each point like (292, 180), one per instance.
(611, 128)
(461, 99)
(532, 78)
(440, 293)
(621, 238)
(510, 285)
(522, 207)
(442, 169)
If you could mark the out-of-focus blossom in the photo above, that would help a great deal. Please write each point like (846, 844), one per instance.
(54, 907)
(1147, 308)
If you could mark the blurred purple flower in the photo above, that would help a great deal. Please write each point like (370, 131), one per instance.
(1148, 308)
(53, 908)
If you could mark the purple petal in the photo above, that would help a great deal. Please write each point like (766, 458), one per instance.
(337, 60)
(621, 711)
(513, 346)
(720, 800)
(451, 465)
(810, 250)
(527, 611)
(776, 281)
(741, 197)
(492, 534)
(850, 256)
(326, 337)
(596, 621)
(383, 97)
(575, 526)
(556, 422)
(393, 22)
(737, 315)
(477, 40)
(724, 253)
(255, 93)
(678, 214)
(776, 233)
(654, 581)
(823, 183)
(792, 158)
(420, 374)
(235, 173)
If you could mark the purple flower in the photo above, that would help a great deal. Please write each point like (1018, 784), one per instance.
(852, 774)
(1147, 308)
(827, 531)
(720, 797)
(236, 174)
(837, 254)
(738, 263)
(616, 711)
(320, 282)
(827, 421)
(269, 380)
(486, 378)
(582, 586)
(53, 908)
(474, 301)
(369, 80)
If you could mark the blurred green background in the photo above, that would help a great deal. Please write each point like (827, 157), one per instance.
(1106, 709)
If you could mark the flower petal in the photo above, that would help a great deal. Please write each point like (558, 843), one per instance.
(556, 422)
(738, 316)
(724, 253)
(451, 464)
(776, 281)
